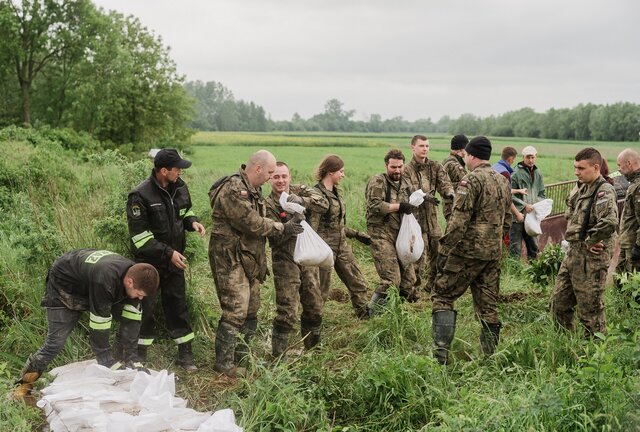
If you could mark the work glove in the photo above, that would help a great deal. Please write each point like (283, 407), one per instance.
(363, 238)
(432, 200)
(291, 228)
(293, 198)
(635, 253)
(406, 208)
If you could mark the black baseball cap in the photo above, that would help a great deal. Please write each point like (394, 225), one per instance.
(169, 158)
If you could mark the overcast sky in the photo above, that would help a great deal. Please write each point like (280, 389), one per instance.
(415, 59)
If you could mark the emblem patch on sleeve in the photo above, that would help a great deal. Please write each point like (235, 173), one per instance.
(135, 210)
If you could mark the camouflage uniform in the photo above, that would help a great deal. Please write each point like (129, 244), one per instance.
(630, 225)
(453, 165)
(237, 256)
(430, 177)
(473, 243)
(582, 274)
(295, 284)
(383, 228)
(330, 225)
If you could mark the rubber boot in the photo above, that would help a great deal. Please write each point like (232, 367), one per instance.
(248, 330)
(311, 334)
(378, 302)
(279, 342)
(142, 353)
(443, 327)
(489, 337)
(225, 347)
(118, 349)
(185, 357)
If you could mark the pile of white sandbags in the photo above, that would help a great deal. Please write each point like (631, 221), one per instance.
(87, 397)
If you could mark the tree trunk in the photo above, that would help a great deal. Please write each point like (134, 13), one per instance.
(26, 102)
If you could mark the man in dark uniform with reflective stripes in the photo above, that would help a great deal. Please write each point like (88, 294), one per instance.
(158, 213)
(103, 283)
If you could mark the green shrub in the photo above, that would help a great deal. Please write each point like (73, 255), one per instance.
(543, 270)
(629, 285)
(15, 416)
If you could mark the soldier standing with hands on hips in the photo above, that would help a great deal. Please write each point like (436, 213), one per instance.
(159, 211)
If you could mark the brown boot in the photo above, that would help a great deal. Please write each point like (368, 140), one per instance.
(25, 385)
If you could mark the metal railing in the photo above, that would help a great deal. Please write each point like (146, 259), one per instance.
(559, 192)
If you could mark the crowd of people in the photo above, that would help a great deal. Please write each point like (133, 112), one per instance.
(484, 207)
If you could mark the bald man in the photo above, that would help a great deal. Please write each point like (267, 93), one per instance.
(629, 164)
(237, 254)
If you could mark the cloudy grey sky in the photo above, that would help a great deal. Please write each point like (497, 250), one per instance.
(415, 59)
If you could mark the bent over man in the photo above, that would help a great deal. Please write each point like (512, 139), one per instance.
(108, 286)
(592, 215)
(295, 284)
(387, 201)
(159, 211)
(471, 249)
(237, 254)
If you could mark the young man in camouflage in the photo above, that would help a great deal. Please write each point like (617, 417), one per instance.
(470, 251)
(429, 176)
(387, 201)
(629, 164)
(295, 284)
(237, 254)
(592, 215)
(454, 167)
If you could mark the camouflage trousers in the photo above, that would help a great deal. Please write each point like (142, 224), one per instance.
(349, 273)
(389, 268)
(625, 265)
(580, 283)
(296, 285)
(425, 268)
(239, 296)
(458, 274)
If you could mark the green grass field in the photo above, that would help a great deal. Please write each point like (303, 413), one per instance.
(376, 375)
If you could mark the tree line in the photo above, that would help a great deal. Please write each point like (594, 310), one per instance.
(69, 64)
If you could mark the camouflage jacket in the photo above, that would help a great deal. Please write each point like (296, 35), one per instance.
(481, 214)
(431, 178)
(603, 218)
(453, 165)
(313, 202)
(382, 191)
(240, 224)
(330, 224)
(630, 224)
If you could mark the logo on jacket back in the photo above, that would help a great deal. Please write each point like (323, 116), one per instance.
(135, 210)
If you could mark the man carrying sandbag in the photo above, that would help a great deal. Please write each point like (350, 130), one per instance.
(106, 285)
(387, 201)
(470, 251)
(295, 284)
(237, 255)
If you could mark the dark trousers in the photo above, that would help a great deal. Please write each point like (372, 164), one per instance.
(174, 304)
(60, 323)
(517, 234)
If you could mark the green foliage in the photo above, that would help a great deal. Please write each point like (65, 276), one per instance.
(629, 285)
(543, 270)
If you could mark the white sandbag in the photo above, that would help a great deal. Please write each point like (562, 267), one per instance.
(311, 249)
(532, 220)
(88, 397)
(409, 244)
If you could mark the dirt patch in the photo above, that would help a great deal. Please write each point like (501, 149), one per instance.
(338, 295)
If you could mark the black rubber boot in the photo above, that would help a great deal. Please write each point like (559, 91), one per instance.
(311, 332)
(225, 347)
(248, 330)
(443, 327)
(185, 357)
(489, 337)
(378, 302)
(142, 353)
(279, 342)
(118, 349)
